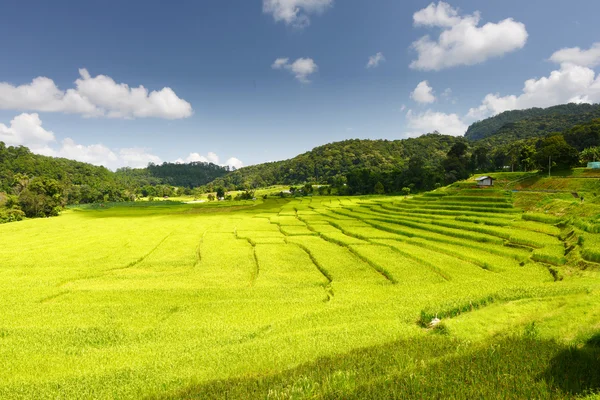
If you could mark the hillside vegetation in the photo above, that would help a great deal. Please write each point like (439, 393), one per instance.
(33, 185)
(333, 162)
(533, 122)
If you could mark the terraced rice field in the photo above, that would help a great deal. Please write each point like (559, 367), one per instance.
(129, 302)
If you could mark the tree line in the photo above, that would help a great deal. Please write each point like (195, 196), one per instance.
(33, 185)
(558, 151)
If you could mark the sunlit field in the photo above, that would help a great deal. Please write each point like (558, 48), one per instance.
(195, 300)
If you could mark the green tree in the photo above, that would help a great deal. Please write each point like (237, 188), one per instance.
(528, 157)
(379, 189)
(220, 192)
(590, 154)
(554, 149)
(456, 163)
(406, 191)
(41, 197)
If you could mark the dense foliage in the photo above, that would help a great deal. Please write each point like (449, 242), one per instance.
(574, 146)
(36, 186)
(340, 162)
(189, 175)
(424, 163)
(533, 122)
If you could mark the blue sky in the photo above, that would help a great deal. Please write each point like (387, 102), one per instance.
(225, 99)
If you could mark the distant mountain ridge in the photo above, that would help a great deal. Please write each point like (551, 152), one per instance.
(533, 122)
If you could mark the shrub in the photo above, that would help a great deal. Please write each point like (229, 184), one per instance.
(11, 215)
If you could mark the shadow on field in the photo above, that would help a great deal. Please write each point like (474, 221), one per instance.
(428, 367)
(528, 182)
(576, 370)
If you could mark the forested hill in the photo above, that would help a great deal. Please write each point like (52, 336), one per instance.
(18, 161)
(27, 178)
(534, 122)
(337, 160)
(188, 175)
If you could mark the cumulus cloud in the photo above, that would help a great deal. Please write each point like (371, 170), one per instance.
(462, 41)
(96, 154)
(423, 93)
(574, 55)
(99, 154)
(295, 12)
(210, 158)
(280, 63)
(234, 162)
(430, 121)
(375, 60)
(94, 97)
(27, 130)
(569, 84)
(42, 94)
(197, 157)
(301, 68)
(137, 157)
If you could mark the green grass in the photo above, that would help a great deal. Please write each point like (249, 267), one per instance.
(319, 297)
(435, 366)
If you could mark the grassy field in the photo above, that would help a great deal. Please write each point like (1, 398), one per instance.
(321, 297)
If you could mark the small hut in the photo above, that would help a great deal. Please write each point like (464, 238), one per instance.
(485, 181)
(594, 165)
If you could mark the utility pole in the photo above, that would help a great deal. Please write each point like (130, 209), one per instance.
(549, 165)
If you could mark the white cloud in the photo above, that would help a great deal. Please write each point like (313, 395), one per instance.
(211, 158)
(93, 97)
(96, 154)
(301, 68)
(423, 93)
(402, 107)
(42, 94)
(429, 121)
(375, 60)
(197, 157)
(137, 157)
(234, 162)
(462, 41)
(280, 63)
(574, 55)
(26, 130)
(441, 14)
(295, 12)
(569, 84)
(99, 154)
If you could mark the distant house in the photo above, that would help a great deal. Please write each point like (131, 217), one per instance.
(484, 181)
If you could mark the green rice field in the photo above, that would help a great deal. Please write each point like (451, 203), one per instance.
(319, 297)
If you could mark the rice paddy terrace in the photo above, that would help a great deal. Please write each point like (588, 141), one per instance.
(162, 299)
